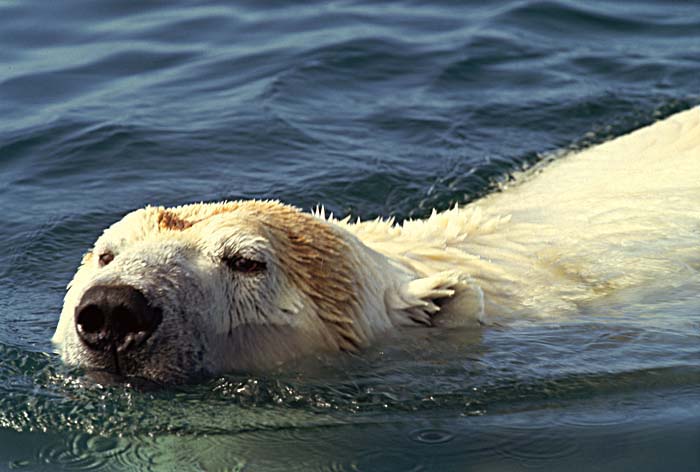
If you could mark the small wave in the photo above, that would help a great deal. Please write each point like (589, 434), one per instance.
(577, 20)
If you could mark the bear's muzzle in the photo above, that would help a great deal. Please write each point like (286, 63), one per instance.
(115, 318)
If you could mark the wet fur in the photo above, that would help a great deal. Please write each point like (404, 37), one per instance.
(615, 216)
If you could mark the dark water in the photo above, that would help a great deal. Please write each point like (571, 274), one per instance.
(369, 108)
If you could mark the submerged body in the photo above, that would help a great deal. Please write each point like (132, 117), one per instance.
(168, 294)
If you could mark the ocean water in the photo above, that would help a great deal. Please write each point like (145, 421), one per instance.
(370, 108)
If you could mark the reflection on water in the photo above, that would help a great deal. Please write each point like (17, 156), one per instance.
(551, 437)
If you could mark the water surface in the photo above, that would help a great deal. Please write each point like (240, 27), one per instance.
(370, 109)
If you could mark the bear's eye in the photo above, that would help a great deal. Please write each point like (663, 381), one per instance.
(105, 259)
(244, 265)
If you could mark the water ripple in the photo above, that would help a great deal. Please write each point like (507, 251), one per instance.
(432, 436)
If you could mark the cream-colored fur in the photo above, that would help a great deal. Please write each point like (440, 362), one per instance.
(615, 216)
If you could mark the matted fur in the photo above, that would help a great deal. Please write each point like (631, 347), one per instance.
(589, 226)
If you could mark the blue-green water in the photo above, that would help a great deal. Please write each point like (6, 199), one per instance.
(369, 108)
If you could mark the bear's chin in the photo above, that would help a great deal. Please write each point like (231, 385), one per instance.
(136, 368)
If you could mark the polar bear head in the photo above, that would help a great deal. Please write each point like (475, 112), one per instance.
(171, 294)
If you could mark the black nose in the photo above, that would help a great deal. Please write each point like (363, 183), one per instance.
(113, 317)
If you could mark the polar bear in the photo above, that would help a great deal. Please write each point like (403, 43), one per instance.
(171, 294)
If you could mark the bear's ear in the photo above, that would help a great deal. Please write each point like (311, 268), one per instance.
(417, 298)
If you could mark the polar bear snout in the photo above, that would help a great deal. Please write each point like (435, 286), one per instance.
(113, 318)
